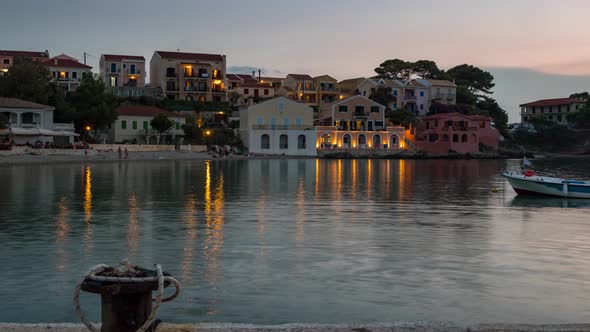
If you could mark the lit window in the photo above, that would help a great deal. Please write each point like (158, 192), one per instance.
(63, 74)
(113, 81)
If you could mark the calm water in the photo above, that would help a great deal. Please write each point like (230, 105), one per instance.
(276, 241)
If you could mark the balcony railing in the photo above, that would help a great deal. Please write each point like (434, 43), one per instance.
(30, 125)
(361, 114)
(170, 74)
(451, 128)
(410, 98)
(194, 88)
(283, 127)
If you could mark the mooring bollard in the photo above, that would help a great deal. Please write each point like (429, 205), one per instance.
(126, 296)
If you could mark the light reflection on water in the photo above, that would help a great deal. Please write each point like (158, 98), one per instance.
(276, 241)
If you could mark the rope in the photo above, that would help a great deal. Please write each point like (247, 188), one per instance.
(160, 278)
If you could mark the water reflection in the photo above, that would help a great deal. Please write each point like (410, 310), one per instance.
(88, 208)
(191, 234)
(62, 223)
(214, 228)
(133, 227)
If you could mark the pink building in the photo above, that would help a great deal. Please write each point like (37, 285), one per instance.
(7, 58)
(442, 133)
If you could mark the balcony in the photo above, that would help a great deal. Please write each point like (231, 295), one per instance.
(170, 74)
(410, 98)
(451, 96)
(30, 125)
(195, 89)
(361, 114)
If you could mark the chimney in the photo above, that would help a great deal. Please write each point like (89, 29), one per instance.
(254, 74)
(55, 61)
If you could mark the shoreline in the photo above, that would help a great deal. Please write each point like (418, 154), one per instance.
(96, 156)
(377, 327)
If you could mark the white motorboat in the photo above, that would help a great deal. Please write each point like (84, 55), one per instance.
(530, 183)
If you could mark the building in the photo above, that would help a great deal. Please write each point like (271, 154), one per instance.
(440, 91)
(67, 72)
(299, 87)
(274, 81)
(551, 109)
(357, 123)
(395, 88)
(327, 89)
(415, 97)
(7, 58)
(248, 90)
(189, 76)
(125, 75)
(278, 126)
(133, 126)
(30, 122)
(349, 87)
(442, 133)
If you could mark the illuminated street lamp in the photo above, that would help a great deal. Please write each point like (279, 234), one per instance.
(87, 128)
(208, 132)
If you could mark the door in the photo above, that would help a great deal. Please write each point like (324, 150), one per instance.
(255, 92)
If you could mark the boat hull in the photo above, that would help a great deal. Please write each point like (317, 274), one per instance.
(547, 186)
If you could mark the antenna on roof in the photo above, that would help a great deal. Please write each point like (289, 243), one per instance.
(178, 50)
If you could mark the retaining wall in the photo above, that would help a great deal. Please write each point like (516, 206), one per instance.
(147, 147)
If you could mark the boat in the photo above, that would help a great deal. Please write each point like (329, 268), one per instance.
(530, 183)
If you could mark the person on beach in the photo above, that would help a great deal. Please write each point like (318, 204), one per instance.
(126, 153)
(120, 152)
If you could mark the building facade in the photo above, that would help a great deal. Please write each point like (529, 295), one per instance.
(442, 133)
(67, 72)
(440, 91)
(555, 110)
(124, 75)
(7, 58)
(370, 86)
(246, 90)
(327, 89)
(133, 126)
(357, 123)
(189, 76)
(300, 87)
(280, 126)
(30, 122)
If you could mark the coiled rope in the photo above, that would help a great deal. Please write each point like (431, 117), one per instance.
(160, 278)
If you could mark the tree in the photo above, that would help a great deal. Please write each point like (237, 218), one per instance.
(581, 95)
(488, 106)
(403, 118)
(382, 95)
(394, 69)
(426, 69)
(3, 121)
(161, 123)
(192, 133)
(479, 82)
(91, 105)
(26, 80)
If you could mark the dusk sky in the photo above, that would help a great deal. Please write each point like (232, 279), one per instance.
(535, 48)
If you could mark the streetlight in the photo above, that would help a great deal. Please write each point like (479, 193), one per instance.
(87, 128)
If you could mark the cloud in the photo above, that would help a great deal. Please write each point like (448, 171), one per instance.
(250, 69)
(572, 68)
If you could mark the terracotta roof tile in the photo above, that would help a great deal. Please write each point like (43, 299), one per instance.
(19, 103)
(191, 56)
(144, 110)
(554, 102)
(65, 63)
(26, 54)
(301, 77)
(119, 57)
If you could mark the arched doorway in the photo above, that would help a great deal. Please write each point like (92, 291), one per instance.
(393, 141)
(326, 141)
(283, 142)
(445, 138)
(377, 141)
(455, 138)
(301, 142)
(464, 138)
(346, 140)
(202, 99)
(264, 142)
(362, 141)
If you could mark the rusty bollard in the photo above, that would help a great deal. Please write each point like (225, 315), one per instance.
(126, 296)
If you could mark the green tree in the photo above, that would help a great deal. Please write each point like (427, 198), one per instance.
(395, 69)
(382, 95)
(192, 133)
(91, 105)
(161, 123)
(488, 106)
(581, 95)
(426, 69)
(479, 82)
(26, 80)
(403, 118)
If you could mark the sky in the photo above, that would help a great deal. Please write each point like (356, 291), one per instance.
(535, 48)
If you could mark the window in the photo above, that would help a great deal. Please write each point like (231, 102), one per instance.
(299, 121)
(374, 109)
(394, 106)
(113, 81)
(124, 66)
(6, 61)
(343, 108)
(286, 121)
(283, 142)
(259, 121)
(63, 74)
(266, 92)
(145, 125)
(265, 142)
(379, 124)
(134, 124)
(559, 118)
(421, 93)
(421, 106)
(74, 74)
(359, 110)
(273, 122)
(132, 69)
(301, 144)
(364, 93)
(482, 124)
(123, 124)
(246, 91)
(113, 67)
(395, 92)
(435, 123)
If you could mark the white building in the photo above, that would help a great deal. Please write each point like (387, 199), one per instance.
(30, 122)
(555, 110)
(278, 126)
(133, 126)
(67, 72)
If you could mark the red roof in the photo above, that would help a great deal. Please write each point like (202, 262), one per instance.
(301, 77)
(233, 77)
(554, 102)
(446, 115)
(117, 57)
(25, 54)
(191, 56)
(144, 110)
(65, 63)
(19, 103)
(256, 85)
